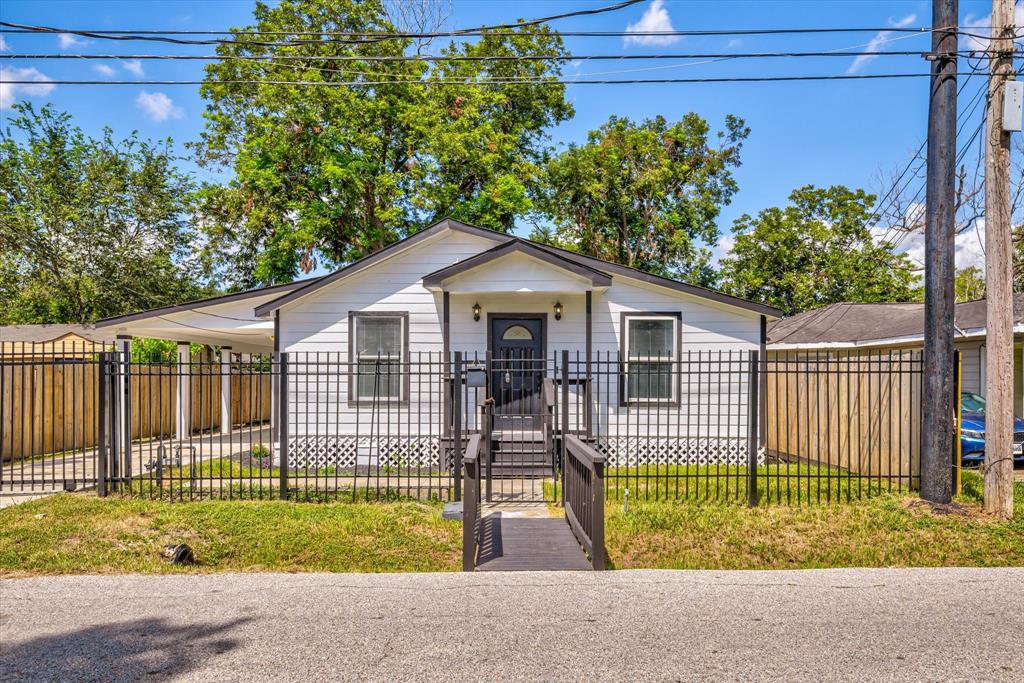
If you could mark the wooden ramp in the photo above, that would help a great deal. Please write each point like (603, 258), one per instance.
(514, 543)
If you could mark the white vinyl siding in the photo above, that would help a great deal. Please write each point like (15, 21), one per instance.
(706, 332)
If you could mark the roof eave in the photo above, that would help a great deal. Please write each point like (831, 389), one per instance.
(598, 279)
(266, 309)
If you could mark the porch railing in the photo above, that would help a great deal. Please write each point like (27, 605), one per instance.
(471, 513)
(584, 497)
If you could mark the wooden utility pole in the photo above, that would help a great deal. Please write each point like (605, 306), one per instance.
(937, 432)
(998, 274)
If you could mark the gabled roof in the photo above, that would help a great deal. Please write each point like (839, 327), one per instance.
(668, 283)
(376, 257)
(518, 246)
(201, 303)
(564, 257)
(50, 333)
(850, 324)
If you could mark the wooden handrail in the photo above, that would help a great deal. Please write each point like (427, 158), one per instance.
(471, 504)
(472, 449)
(584, 497)
(549, 392)
(584, 452)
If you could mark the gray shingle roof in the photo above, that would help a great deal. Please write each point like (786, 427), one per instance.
(858, 323)
(44, 333)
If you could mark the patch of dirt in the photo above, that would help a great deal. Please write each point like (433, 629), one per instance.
(939, 509)
(247, 460)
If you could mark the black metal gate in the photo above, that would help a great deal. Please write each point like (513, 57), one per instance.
(510, 401)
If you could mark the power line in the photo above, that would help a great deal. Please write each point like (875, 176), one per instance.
(376, 36)
(498, 58)
(916, 158)
(493, 81)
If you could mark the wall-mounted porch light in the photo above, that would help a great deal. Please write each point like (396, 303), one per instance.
(558, 310)
(476, 312)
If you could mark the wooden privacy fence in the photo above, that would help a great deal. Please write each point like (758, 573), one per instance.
(859, 412)
(50, 406)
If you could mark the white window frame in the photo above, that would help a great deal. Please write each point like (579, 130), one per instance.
(356, 358)
(673, 360)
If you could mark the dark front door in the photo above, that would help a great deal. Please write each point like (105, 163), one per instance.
(517, 371)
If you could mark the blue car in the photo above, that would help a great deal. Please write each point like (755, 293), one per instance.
(972, 431)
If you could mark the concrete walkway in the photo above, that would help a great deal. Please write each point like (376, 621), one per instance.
(845, 625)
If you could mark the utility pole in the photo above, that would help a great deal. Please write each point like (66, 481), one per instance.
(937, 431)
(998, 274)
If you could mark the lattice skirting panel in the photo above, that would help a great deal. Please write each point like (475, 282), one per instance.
(349, 451)
(632, 451)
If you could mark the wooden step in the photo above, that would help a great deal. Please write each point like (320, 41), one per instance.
(518, 471)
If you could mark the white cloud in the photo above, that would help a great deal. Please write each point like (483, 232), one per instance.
(9, 91)
(980, 27)
(133, 66)
(969, 245)
(158, 106)
(69, 40)
(655, 19)
(969, 249)
(880, 39)
(104, 70)
(4, 45)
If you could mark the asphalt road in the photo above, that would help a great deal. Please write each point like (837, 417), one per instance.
(891, 625)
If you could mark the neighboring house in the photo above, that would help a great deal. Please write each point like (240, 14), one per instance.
(886, 327)
(53, 341)
(375, 336)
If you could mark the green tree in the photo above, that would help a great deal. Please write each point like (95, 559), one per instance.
(644, 195)
(329, 172)
(89, 228)
(816, 251)
(969, 284)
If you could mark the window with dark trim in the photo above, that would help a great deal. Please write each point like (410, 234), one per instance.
(378, 352)
(650, 355)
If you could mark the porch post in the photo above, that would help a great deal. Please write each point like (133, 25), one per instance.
(445, 367)
(446, 344)
(183, 413)
(124, 426)
(225, 390)
(275, 380)
(587, 410)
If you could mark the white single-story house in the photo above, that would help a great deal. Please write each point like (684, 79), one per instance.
(884, 327)
(370, 346)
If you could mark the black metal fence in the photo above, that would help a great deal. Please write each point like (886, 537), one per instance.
(732, 425)
(792, 427)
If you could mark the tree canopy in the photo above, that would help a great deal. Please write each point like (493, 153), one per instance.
(969, 284)
(816, 251)
(372, 150)
(89, 228)
(645, 195)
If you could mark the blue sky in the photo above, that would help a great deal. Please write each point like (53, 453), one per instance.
(845, 132)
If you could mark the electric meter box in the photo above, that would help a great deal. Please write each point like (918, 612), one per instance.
(1013, 95)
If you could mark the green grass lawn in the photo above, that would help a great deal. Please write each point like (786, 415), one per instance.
(80, 533)
(882, 531)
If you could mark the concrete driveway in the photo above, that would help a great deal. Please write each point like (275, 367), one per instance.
(855, 625)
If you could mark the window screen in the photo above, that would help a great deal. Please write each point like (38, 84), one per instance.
(650, 352)
(379, 351)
